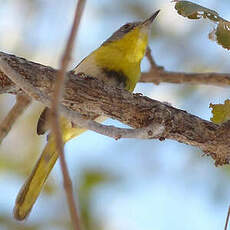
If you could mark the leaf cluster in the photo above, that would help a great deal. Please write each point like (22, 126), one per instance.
(221, 34)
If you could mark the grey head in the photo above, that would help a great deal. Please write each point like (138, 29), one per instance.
(121, 32)
(128, 27)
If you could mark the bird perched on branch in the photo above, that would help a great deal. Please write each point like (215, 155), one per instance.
(117, 63)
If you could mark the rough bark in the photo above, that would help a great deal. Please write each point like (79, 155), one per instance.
(90, 97)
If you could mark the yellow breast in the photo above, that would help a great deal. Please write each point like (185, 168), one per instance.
(122, 56)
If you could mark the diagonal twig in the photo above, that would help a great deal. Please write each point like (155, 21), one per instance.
(58, 90)
(150, 57)
(22, 102)
(154, 66)
(227, 219)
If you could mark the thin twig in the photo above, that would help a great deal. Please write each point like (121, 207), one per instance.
(150, 57)
(22, 102)
(154, 66)
(227, 219)
(58, 90)
(209, 78)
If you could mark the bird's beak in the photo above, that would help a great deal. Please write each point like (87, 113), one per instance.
(149, 20)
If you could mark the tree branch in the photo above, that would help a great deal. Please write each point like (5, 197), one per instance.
(157, 75)
(22, 102)
(151, 131)
(162, 76)
(91, 97)
(152, 76)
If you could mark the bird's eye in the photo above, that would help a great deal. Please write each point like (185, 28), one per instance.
(126, 26)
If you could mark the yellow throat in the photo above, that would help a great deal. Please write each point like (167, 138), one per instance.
(117, 60)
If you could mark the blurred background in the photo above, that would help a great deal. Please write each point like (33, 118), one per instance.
(125, 184)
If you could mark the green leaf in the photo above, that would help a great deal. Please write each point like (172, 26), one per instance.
(195, 11)
(221, 112)
(223, 34)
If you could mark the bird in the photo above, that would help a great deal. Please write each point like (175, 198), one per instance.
(117, 63)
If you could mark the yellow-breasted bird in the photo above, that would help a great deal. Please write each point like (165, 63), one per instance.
(116, 62)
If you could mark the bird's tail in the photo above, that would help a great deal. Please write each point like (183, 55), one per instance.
(33, 185)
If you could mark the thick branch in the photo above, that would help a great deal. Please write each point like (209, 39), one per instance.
(151, 131)
(156, 75)
(91, 97)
